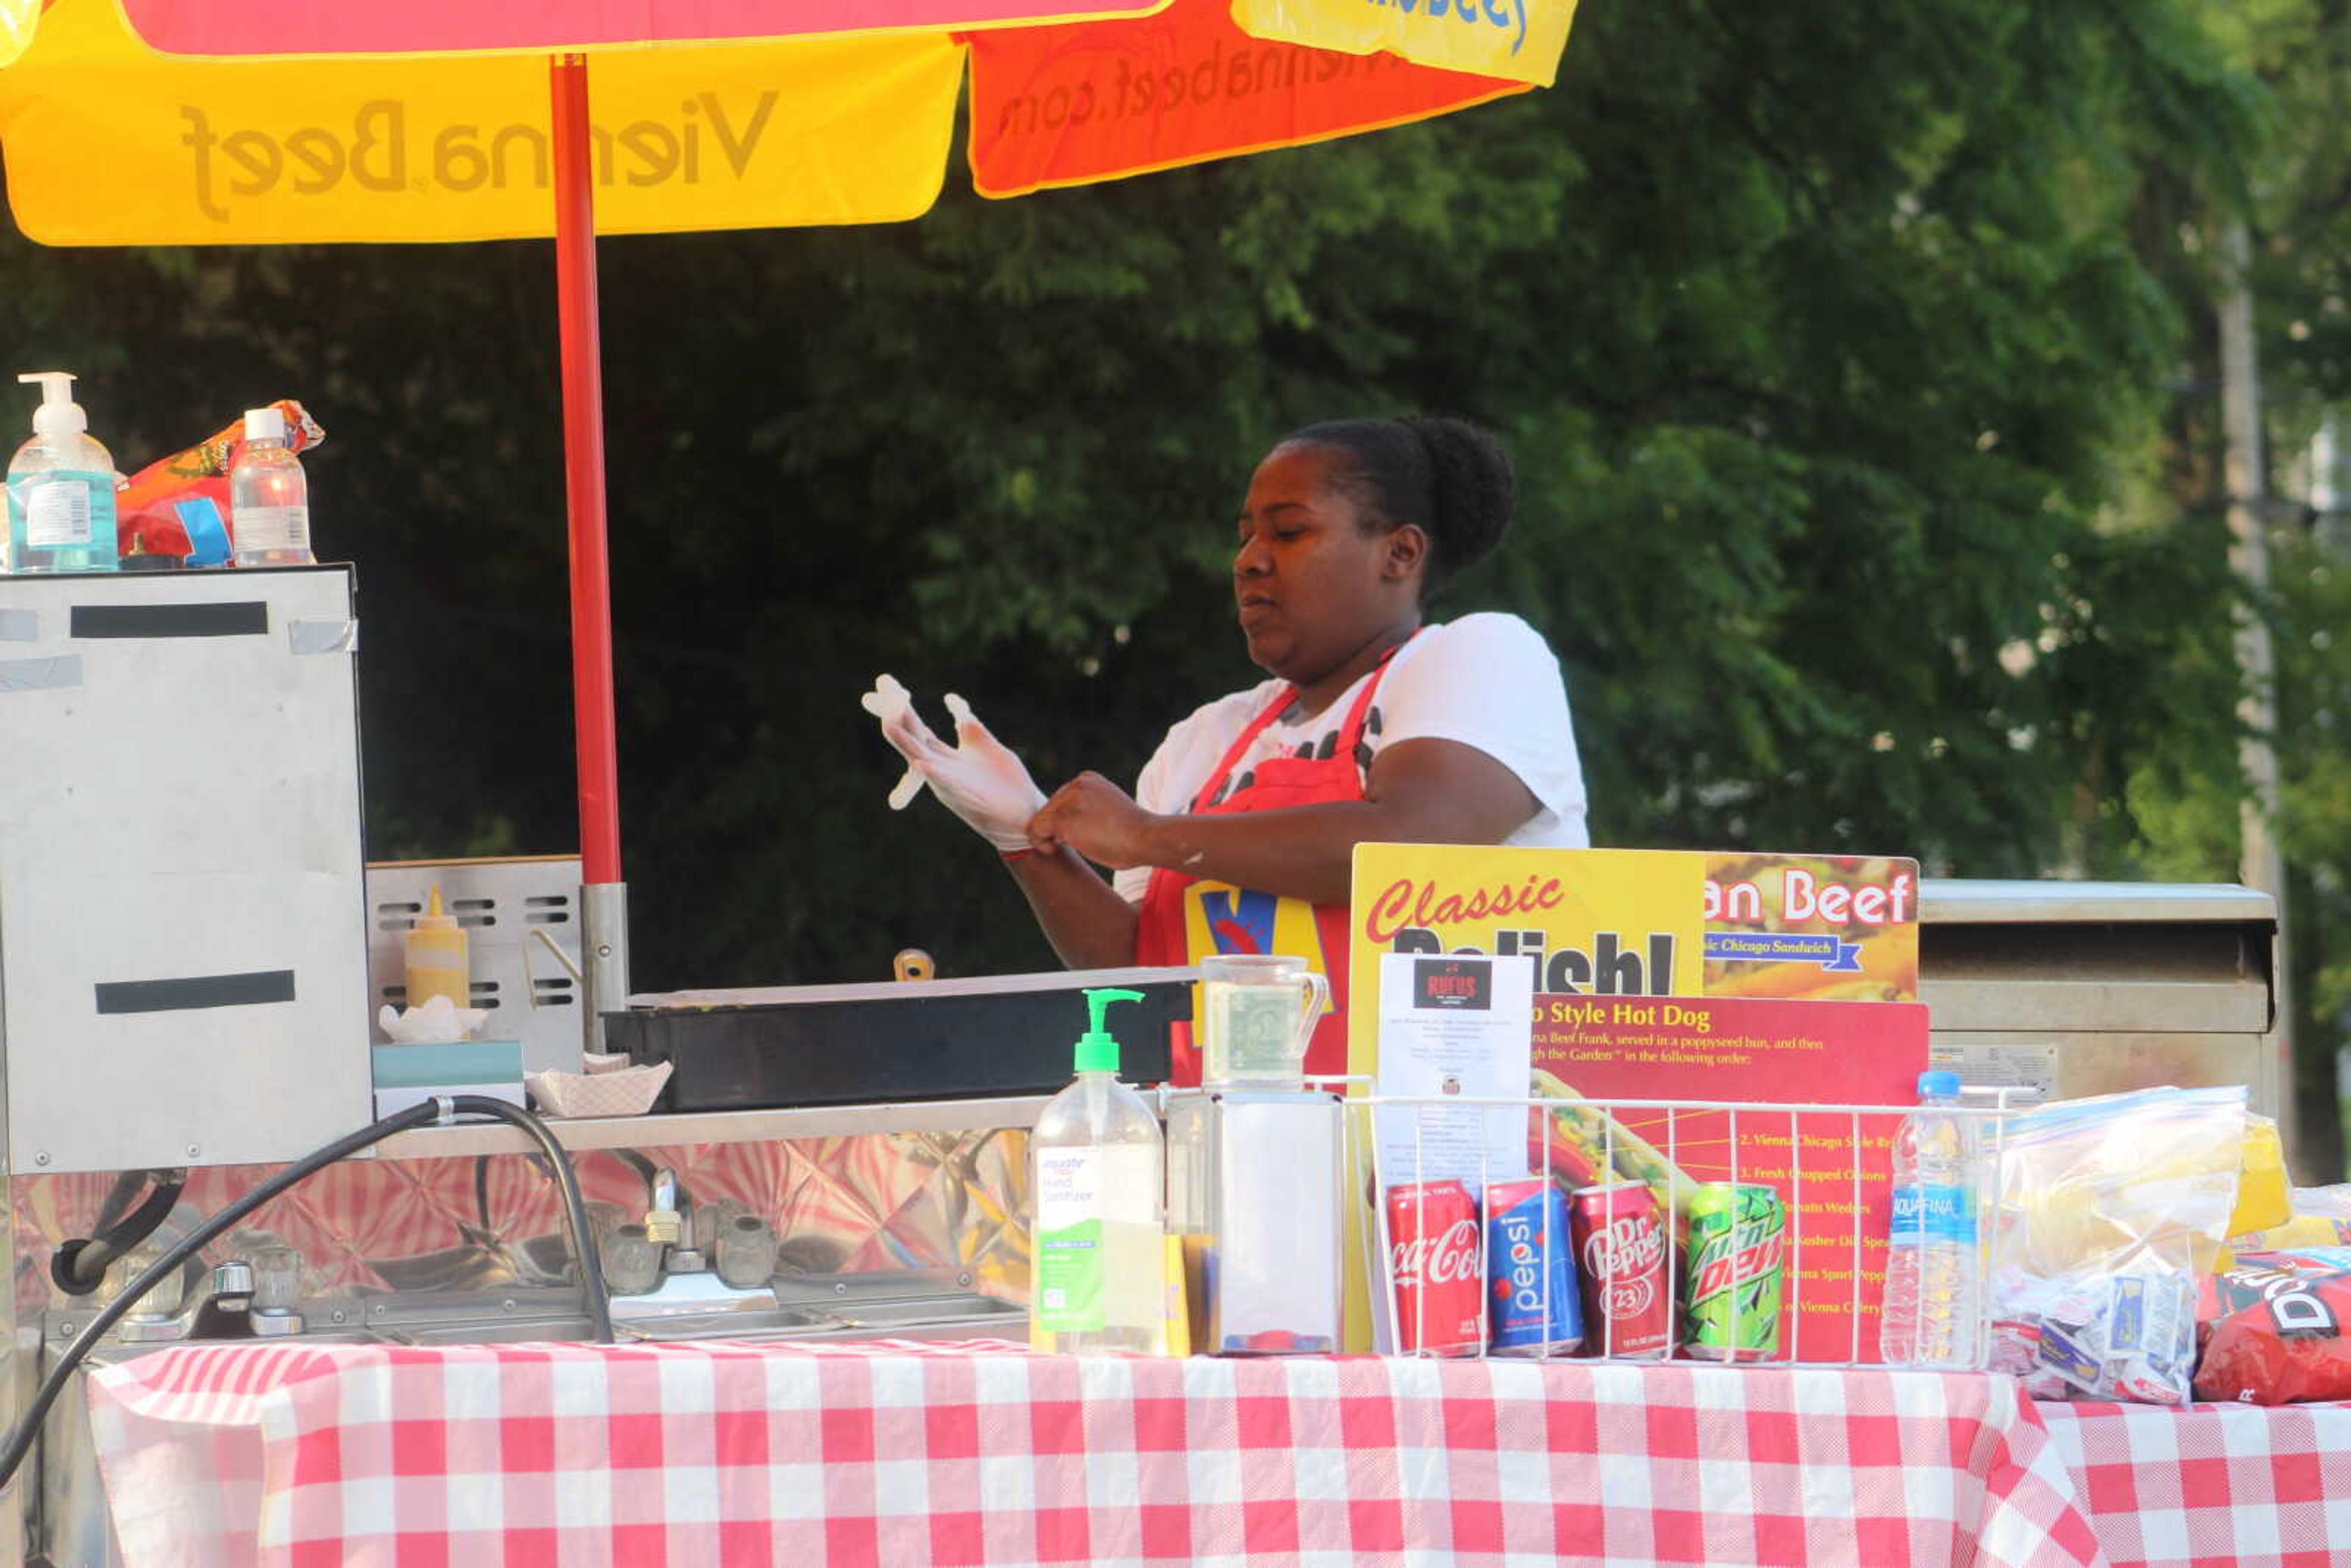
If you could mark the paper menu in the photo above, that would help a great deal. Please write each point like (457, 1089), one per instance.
(1453, 1025)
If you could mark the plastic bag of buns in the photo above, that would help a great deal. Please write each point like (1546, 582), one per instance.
(2108, 1212)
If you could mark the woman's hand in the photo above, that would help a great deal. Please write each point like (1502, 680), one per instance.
(1100, 820)
(978, 777)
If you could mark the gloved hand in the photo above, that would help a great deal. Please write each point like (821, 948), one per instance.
(979, 779)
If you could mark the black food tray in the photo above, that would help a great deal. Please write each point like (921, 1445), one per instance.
(920, 1040)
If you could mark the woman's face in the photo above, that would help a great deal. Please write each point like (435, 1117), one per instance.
(1313, 585)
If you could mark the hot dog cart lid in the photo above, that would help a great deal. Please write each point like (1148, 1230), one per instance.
(1952, 901)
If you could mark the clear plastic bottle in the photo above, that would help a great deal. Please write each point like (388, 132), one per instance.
(1098, 1163)
(268, 499)
(60, 489)
(1933, 1268)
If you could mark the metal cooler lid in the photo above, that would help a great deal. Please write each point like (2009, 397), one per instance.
(1956, 900)
(912, 990)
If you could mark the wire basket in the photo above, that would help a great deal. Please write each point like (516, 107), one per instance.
(1836, 1181)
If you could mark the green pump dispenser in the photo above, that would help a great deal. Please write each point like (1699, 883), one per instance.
(1097, 1048)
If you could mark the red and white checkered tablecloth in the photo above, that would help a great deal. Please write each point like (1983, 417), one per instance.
(845, 1455)
(2211, 1485)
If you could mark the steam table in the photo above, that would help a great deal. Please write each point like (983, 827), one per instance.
(893, 1453)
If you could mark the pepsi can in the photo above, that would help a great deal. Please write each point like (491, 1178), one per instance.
(1533, 1306)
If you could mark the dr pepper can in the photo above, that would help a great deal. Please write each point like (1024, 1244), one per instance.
(1620, 1251)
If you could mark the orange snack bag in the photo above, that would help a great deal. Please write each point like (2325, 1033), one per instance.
(174, 504)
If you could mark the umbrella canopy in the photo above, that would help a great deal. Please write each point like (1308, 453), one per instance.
(217, 122)
(272, 150)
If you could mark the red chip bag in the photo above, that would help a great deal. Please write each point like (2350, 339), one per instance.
(2287, 1347)
(2252, 1281)
(153, 510)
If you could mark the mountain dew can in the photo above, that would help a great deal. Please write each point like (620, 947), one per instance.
(1738, 1257)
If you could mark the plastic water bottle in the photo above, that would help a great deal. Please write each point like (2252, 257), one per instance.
(1934, 1284)
(268, 499)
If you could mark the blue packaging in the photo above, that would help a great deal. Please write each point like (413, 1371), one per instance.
(1533, 1306)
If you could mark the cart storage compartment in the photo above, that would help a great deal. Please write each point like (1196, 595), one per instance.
(182, 921)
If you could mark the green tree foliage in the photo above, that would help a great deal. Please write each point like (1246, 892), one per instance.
(2301, 219)
(1826, 338)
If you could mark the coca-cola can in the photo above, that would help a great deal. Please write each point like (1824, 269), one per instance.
(1438, 1267)
(1620, 1243)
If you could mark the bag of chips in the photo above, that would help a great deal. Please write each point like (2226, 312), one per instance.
(2288, 1345)
(178, 505)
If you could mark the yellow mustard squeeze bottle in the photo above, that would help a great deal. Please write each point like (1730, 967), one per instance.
(437, 960)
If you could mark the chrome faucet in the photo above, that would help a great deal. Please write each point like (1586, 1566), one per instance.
(223, 1311)
(669, 1222)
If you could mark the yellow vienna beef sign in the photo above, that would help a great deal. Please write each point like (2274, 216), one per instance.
(1515, 40)
(816, 130)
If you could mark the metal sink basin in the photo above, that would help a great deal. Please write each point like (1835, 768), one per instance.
(765, 1322)
(838, 1307)
(888, 1317)
(502, 1331)
(901, 1304)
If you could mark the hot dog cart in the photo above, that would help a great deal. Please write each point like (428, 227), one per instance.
(192, 946)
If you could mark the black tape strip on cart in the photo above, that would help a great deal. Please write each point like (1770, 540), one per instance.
(229, 618)
(195, 991)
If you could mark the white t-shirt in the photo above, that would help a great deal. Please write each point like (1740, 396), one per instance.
(1487, 681)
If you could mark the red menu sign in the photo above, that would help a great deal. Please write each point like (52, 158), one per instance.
(1830, 1168)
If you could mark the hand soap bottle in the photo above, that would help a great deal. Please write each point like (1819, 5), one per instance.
(1098, 1166)
(438, 963)
(60, 489)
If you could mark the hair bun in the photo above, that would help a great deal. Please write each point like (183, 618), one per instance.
(1472, 489)
(1445, 475)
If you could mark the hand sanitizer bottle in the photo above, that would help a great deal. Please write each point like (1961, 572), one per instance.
(60, 489)
(1099, 1281)
(268, 499)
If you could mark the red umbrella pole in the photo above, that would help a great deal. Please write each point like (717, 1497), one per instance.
(604, 920)
(583, 473)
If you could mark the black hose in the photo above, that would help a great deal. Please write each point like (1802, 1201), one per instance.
(592, 1272)
(575, 1207)
(79, 1265)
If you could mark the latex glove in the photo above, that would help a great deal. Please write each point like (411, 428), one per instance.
(979, 779)
(892, 703)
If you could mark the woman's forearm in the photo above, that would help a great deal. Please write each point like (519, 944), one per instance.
(1088, 924)
(1299, 852)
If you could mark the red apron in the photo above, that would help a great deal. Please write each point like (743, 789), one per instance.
(1185, 919)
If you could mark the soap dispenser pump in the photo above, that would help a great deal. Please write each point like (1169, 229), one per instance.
(1099, 1178)
(60, 489)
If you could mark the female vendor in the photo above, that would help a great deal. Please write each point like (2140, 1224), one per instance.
(1375, 726)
